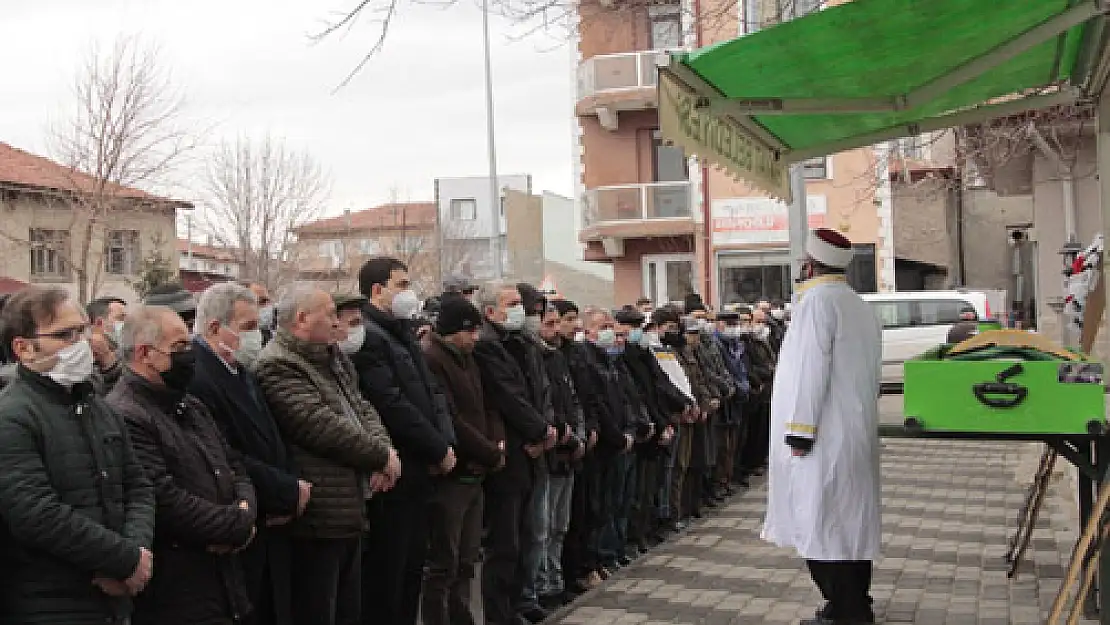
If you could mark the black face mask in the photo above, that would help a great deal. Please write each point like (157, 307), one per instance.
(180, 374)
(673, 338)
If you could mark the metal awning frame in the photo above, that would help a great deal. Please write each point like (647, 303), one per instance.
(1092, 72)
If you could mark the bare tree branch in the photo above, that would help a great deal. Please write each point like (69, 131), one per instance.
(257, 193)
(126, 134)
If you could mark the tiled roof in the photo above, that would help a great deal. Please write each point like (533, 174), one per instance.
(384, 217)
(10, 285)
(206, 251)
(25, 169)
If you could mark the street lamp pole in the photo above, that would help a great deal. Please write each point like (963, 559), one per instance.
(494, 188)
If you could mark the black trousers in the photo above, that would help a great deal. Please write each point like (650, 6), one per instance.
(502, 579)
(326, 581)
(577, 562)
(846, 588)
(455, 538)
(393, 558)
(266, 572)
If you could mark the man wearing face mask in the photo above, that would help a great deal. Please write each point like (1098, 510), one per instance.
(206, 508)
(339, 445)
(752, 454)
(228, 339)
(457, 506)
(709, 353)
(664, 404)
(265, 308)
(513, 379)
(624, 422)
(394, 376)
(106, 316)
(351, 333)
(78, 506)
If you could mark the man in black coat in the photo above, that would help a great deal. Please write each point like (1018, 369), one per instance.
(78, 508)
(226, 327)
(394, 377)
(511, 373)
(205, 501)
(664, 404)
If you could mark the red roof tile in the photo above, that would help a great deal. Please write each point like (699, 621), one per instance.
(384, 217)
(206, 251)
(26, 169)
(10, 285)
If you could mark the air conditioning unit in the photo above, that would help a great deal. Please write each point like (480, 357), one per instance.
(614, 247)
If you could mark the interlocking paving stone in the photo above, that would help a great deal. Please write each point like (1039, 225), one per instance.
(949, 508)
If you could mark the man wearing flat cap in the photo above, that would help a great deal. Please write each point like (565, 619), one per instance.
(823, 485)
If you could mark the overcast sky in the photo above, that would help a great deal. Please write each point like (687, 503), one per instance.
(415, 113)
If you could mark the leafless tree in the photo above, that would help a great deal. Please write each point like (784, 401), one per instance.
(714, 20)
(257, 193)
(125, 137)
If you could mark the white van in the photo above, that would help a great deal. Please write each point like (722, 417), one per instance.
(915, 321)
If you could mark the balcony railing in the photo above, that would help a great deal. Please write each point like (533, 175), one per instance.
(637, 202)
(612, 72)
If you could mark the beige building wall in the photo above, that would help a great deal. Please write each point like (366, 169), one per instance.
(524, 236)
(18, 216)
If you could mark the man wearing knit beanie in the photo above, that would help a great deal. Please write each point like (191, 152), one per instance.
(456, 507)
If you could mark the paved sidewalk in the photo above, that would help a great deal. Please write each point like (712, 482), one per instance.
(948, 510)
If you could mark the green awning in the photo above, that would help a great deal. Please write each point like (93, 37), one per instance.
(872, 70)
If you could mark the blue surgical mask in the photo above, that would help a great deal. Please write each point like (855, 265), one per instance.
(614, 350)
(606, 339)
(635, 335)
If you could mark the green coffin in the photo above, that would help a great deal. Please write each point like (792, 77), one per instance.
(1004, 396)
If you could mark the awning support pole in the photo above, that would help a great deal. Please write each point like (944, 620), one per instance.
(798, 219)
(1103, 169)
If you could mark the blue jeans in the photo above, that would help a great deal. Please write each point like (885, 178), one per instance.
(619, 480)
(560, 488)
(666, 471)
(534, 535)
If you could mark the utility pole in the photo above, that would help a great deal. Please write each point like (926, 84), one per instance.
(494, 188)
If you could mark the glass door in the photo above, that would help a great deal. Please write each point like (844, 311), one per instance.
(668, 277)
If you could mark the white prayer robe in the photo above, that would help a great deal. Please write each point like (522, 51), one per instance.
(826, 504)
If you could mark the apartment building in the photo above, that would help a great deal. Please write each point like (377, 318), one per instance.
(63, 227)
(465, 207)
(330, 251)
(670, 225)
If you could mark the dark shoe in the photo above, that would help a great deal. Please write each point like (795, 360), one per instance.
(534, 614)
(552, 602)
(709, 503)
(624, 561)
(697, 514)
(604, 573)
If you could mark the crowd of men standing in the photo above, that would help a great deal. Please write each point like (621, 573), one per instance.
(352, 458)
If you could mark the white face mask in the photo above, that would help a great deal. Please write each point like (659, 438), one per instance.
(405, 304)
(650, 339)
(514, 318)
(579, 337)
(778, 314)
(74, 365)
(266, 316)
(606, 339)
(355, 338)
(117, 331)
(763, 332)
(533, 324)
(250, 345)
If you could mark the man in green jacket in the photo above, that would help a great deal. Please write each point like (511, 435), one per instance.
(339, 445)
(78, 509)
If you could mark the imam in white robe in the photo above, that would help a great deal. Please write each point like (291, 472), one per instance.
(826, 504)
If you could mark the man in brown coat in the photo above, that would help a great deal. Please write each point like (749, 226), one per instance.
(455, 513)
(339, 445)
